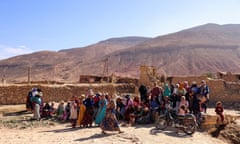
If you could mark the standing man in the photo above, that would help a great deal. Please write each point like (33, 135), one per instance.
(156, 93)
(204, 91)
(143, 93)
(37, 102)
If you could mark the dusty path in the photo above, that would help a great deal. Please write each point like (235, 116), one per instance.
(141, 134)
(62, 134)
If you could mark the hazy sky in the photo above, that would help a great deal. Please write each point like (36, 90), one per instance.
(32, 25)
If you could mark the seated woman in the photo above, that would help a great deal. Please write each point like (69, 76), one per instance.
(184, 103)
(60, 111)
(144, 116)
(129, 115)
(52, 109)
(182, 110)
(136, 102)
(120, 110)
(46, 113)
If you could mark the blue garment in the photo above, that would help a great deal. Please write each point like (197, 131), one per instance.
(102, 111)
(88, 102)
(204, 90)
(195, 90)
(154, 105)
(36, 100)
(166, 90)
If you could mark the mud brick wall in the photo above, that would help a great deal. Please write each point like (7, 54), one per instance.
(219, 89)
(16, 94)
(190, 79)
(218, 92)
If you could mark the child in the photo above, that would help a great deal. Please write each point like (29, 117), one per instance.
(182, 110)
(73, 113)
(46, 111)
(66, 113)
(180, 116)
(184, 102)
(52, 109)
(219, 111)
(60, 111)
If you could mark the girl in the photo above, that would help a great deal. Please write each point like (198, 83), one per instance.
(73, 113)
(183, 102)
(219, 111)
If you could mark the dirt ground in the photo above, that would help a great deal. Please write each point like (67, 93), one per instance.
(16, 128)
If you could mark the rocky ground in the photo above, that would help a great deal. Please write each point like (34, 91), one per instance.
(17, 127)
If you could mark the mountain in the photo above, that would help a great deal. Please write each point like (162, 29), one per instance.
(199, 50)
(204, 49)
(61, 65)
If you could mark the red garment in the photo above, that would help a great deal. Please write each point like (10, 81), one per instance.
(96, 99)
(155, 91)
(136, 102)
(219, 111)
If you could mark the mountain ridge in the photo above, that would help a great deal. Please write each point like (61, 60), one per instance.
(202, 49)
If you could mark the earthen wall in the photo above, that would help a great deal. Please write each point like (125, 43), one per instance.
(16, 94)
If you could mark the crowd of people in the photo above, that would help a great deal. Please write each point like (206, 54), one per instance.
(182, 97)
(83, 111)
(105, 111)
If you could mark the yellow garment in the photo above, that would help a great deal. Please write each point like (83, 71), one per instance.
(81, 114)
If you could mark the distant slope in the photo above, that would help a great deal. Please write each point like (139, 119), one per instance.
(202, 49)
(195, 51)
(47, 65)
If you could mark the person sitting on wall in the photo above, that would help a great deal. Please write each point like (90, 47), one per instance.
(219, 111)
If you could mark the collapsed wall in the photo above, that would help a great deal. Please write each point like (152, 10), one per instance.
(16, 94)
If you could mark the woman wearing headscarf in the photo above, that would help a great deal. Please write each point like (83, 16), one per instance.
(129, 109)
(110, 122)
(88, 116)
(73, 113)
(102, 109)
(82, 109)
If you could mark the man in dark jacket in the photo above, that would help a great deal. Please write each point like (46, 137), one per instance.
(143, 93)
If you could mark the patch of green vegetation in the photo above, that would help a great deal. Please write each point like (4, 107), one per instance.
(25, 122)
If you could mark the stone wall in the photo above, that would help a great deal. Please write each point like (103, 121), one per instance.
(220, 90)
(16, 94)
(148, 75)
(228, 76)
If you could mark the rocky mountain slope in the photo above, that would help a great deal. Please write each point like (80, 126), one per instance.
(62, 65)
(195, 51)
